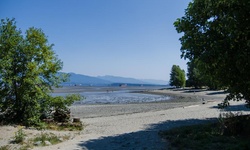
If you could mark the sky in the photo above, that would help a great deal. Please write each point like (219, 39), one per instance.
(128, 38)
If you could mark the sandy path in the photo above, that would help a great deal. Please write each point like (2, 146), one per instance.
(138, 130)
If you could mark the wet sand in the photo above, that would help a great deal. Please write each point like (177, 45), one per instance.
(178, 98)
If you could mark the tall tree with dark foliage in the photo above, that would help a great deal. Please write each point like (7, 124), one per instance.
(217, 34)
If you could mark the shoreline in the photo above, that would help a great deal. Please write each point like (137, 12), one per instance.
(118, 126)
(136, 126)
(167, 95)
(178, 99)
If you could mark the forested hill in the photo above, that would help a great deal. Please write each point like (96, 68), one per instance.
(79, 79)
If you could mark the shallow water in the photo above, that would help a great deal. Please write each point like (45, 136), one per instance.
(123, 96)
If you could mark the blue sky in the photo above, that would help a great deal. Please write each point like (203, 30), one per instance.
(129, 38)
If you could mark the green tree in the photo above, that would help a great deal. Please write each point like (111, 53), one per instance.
(194, 75)
(197, 78)
(216, 32)
(28, 70)
(177, 77)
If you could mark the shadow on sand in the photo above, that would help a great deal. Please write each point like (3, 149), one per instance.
(232, 108)
(217, 93)
(204, 90)
(142, 140)
(193, 90)
(148, 138)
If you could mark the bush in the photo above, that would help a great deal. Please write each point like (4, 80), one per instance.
(58, 110)
(234, 124)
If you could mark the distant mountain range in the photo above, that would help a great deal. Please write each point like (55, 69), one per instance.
(76, 79)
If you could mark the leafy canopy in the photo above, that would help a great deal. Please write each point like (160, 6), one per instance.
(217, 34)
(195, 78)
(28, 70)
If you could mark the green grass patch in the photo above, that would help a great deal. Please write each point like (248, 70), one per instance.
(67, 126)
(211, 136)
(19, 136)
(49, 137)
(43, 139)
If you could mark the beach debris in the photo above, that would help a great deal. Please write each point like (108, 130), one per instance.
(47, 143)
(38, 143)
(203, 100)
(75, 120)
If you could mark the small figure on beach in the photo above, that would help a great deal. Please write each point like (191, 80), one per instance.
(203, 101)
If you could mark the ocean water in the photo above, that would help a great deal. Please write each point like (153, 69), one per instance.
(118, 96)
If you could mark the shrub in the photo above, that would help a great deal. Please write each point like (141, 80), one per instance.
(234, 124)
(19, 136)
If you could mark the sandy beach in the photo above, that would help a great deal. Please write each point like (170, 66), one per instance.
(136, 126)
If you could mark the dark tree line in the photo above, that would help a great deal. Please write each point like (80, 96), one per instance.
(197, 79)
